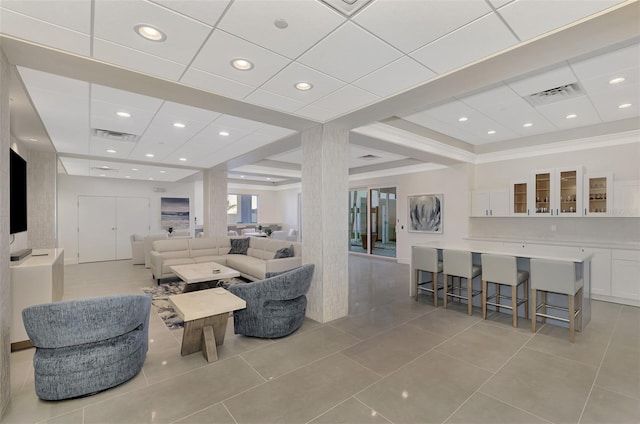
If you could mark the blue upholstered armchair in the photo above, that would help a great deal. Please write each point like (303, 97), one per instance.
(85, 346)
(275, 305)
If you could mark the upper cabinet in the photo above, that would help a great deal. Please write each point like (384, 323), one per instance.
(556, 192)
(490, 203)
(598, 194)
(518, 198)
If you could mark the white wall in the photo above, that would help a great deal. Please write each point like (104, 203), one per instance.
(70, 187)
(288, 203)
(269, 207)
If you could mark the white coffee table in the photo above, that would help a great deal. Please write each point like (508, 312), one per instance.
(194, 274)
(205, 315)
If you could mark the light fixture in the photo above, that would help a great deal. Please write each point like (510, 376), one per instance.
(616, 80)
(571, 116)
(102, 175)
(491, 132)
(241, 176)
(149, 155)
(32, 139)
(111, 151)
(134, 169)
(463, 119)
(128, 176)
(528, 124)
(163, 172)
(182, 159)
(123, 114)
(242, 64)
(281, 23)
(224, 133)
(624, 106)
(149, 32)
(268, 179)
(303, 86)
(150, 178)
(179, 125)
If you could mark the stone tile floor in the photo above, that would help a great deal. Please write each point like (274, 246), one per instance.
(392, 360)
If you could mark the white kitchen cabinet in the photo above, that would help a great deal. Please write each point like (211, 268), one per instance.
(625, 272)
(626, 198)
(598, 194)
(518, 199)
(490, 203)
(600, 271)
(556, 192)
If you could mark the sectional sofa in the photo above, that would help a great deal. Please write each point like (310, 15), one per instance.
(254, 265)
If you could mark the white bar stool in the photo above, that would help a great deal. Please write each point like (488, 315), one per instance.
(426, 259)
(556, 277)
(503, 270)
(459, 263)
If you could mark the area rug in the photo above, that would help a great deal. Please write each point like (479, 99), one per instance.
(160, 300)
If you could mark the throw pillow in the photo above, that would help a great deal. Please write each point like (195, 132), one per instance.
(239, 246)
(285, 252)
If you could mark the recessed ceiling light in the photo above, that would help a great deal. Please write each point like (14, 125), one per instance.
(32, 139)
(183, 159)
(242, 64)
(134, 169)
(281, 23)
(179, 125)
(571, 116)
(111, 151)
(149, 32)
(149, 155)
(223, 133)
(102, 175)
(150, 178)
(268, 179)
(241, 176)
(463, 119)
(490, 132)
(128, 176)
(616, 80)
(123, 114)
(624, 106)
(163, 172)
(528, 124)
(303, 86)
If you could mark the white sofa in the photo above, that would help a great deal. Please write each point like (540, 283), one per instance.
(253, 266)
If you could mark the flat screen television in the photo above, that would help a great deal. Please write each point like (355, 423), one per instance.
(18, 193)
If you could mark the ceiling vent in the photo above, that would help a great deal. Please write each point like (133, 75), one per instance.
(557, 94)
(114, 135)
(346, 7)
(104, 169)
(369, 157)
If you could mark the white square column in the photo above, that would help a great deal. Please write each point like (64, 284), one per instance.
(215, 201)
(325, 237)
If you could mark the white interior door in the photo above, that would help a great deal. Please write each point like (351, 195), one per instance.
(132, 217)
(96, 229)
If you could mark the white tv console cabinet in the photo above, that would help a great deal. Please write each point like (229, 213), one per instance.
(39, 278)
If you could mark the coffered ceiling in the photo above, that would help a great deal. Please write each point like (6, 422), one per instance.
(455, 77)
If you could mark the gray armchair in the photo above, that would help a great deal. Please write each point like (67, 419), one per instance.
(275, 306)
(86, 346)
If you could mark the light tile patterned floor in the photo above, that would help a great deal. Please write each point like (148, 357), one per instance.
(393, 360)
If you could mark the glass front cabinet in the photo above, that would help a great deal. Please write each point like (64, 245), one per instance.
(598, 194)
(518, 200)
(556, 192)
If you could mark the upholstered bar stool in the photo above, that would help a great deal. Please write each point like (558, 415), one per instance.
(556, 277)
(459, 263)
(503, 270)
(425, 259)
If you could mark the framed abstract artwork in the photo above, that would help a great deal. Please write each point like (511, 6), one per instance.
(425, 213)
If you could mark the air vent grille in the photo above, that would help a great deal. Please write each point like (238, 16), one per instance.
(114, 135)
(346, 7)
(369, 157)
(556, 94)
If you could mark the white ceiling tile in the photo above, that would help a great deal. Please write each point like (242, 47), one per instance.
(608, 63)
(75, 166)
(499, 3)
(308, 22)
(31, 29)
(581, 106)
(188, 114)
(543, 81)
(99, 147)
(607, 102)
(208, 11)
(601, 85)
(500, 96)
(273, 101)
(124, 98)
(275, 133)
(136, 60)
(233, 122)
(292, 156)
(349, 53)
(70, 14)
(115, 21)
(408, 25)
(103, 116)
(215, 84)
(530, 18)
(397, 76)
(283, 83)
(221, 48)
(346, 99)
(481, 38)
